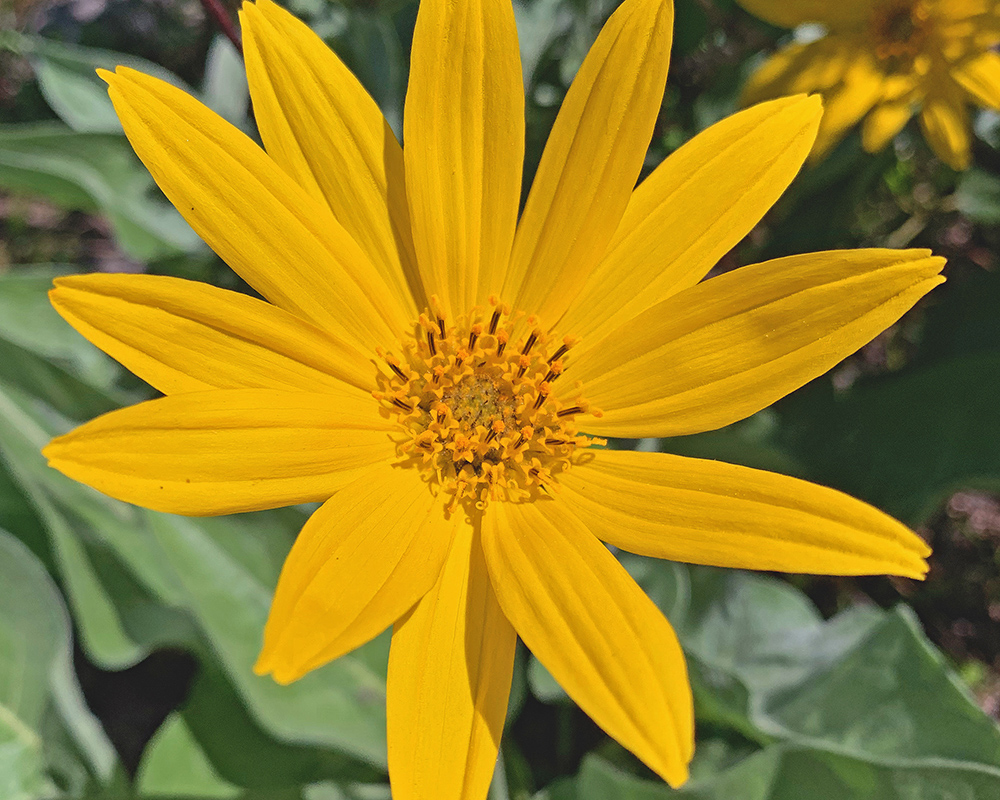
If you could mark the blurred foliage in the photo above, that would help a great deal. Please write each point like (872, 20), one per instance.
(791, 704)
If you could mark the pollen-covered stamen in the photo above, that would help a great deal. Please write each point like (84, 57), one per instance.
(481, 418)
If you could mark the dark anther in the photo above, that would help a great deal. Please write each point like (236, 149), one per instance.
(472, 339)
(397, 370)
(551, 376)
(441, 327)
(568, 411)
(494, 321)
(400, 404)
(554, 442)
(563, 349)
(490, 437)
(538, 401)
(430, 343)
(500, 348)
(529, 344)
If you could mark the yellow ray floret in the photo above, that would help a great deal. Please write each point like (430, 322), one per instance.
(437, 373)
(885, 61)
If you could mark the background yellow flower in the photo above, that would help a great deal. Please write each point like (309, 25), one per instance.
(885, 60)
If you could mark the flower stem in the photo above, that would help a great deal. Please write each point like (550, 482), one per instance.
(217, 12)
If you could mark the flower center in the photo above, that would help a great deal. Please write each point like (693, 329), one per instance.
(900, 30)
(478, 412)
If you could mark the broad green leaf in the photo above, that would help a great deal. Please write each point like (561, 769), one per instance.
(539, 23)
(333, 791)
(785, 772)
(22, 768)
(173, 765)
(865, 684)
(43, 356)
(225, 88)
(245, 752)
(67, 77)
(892, 697)
(977, 196)
(180, 563)
(370, 45)
(74, 517)
(37, 687)
(94, 172)
(341, 705)
(32, 630)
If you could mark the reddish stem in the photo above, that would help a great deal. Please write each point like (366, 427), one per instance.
(216, 10)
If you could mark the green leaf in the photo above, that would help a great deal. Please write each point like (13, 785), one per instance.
(173, 765)
(94, 172)
(539, 24)
(37, 686)
(341, 705)
(865, 686)
(977, 196)
(42, 355)
(891, 697)
(225, 89)
(22, 435)
(370, 46)
(220, 571)
(32, 630)
(69, 82)
(784, 772)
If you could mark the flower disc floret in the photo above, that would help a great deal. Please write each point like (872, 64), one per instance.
(479, 413)
(901, 31)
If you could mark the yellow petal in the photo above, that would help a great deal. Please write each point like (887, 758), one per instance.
(694, 208)
(464, 127)
(945, 124)
(320, 125)
(730, 346)
(980, 77)
(227, 450)
(450, 669)
(708, 512)
(363, 559)
(883, 123)
(186, 336)
(283, 242)
(586, 620)
(791, 14)
(859, 89)
(592, 159)
(816, 66)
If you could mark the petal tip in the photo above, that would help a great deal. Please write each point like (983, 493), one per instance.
(262, 666)
(677, 776)
(281, 670)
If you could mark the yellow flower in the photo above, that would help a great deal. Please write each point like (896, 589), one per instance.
(461, 502)
(884, 60)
